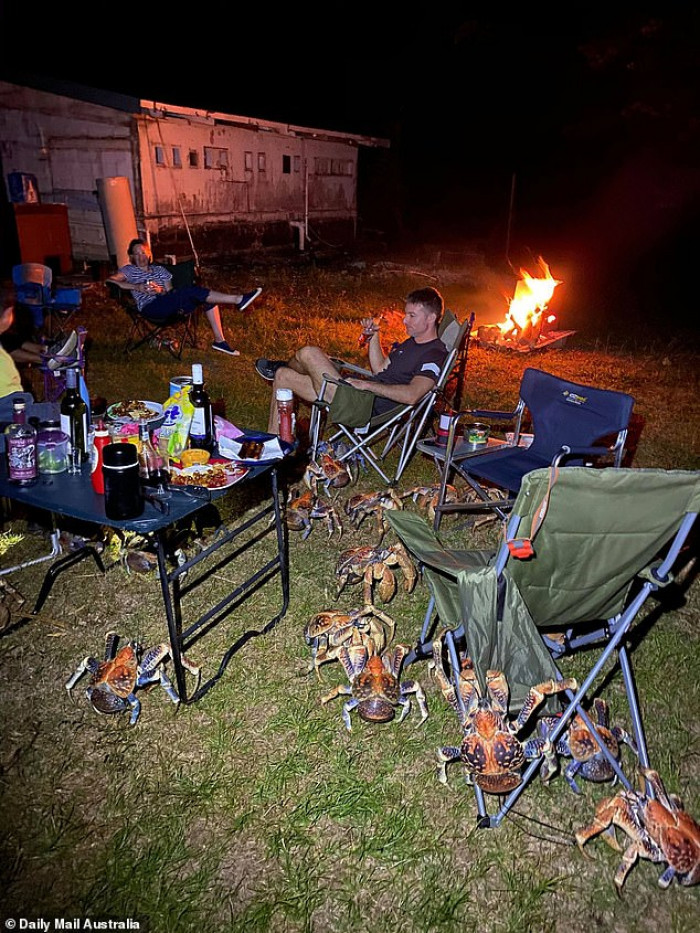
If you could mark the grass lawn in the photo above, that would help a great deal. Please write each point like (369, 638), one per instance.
(255, 809)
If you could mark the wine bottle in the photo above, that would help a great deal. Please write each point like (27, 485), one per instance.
(20, 441)
(202, 426)
(74, 415)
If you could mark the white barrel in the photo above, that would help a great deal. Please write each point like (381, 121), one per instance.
(114, 195)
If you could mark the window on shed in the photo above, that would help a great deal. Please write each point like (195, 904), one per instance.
(177, 157)
(297, 163)
(262, 162)
(248, 161)
(194, 158)
(286, 165)
(160, 155)
(215, 157)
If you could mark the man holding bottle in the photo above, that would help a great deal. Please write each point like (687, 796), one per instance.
(401, 378)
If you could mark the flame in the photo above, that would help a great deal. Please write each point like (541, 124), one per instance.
(532, 295)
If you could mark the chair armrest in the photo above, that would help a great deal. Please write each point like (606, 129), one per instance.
(566, 452)
(351, 367)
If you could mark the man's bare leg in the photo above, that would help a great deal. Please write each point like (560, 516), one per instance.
(303, 376)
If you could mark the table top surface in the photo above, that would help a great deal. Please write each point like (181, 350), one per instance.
(72, 494)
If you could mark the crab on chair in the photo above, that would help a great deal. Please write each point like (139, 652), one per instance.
(583, 551)
(572, 424)
(350, 410)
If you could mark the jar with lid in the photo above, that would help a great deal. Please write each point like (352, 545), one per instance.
(52, 448)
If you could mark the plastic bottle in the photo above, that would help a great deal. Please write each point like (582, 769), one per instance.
(74, 414)
(285, 414)
(202, 426)
(101, 440)
(20, 442)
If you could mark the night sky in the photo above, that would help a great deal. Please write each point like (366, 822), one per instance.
(581, 136)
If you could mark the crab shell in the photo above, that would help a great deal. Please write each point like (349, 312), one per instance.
(492, 754)
(377, 691)
(676, 832)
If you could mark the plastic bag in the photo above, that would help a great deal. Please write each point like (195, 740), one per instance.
(175, 430)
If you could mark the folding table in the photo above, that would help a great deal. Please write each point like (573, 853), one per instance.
(72, 495)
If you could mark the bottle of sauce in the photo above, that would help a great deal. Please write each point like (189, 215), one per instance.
(101, 440)
(74, 415)
(202, 426)
(20, 443)
(285, 414)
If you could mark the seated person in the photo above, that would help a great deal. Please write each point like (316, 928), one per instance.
(10, 381)
(401, 378)
(156, 300)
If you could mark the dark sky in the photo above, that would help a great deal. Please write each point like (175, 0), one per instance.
(588, 118)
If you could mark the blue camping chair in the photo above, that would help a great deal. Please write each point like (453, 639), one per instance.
(34, 290)
(583, 552)
(572, 425)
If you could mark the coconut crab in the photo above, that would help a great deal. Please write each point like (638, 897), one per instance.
(579, 744)
(373, 503)
(332, 629)
(329, 471)
(427, 497)
(660, 830)
(375, 689)
(303, 507)
(491, 751)
(114, 680)
(368, 564)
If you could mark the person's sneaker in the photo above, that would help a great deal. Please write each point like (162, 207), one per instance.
(248, 299)
(223, 347)
(268, 368)
(63, 352)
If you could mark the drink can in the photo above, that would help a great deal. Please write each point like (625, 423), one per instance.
(177, 383)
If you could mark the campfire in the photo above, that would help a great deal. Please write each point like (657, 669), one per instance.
(526, 325)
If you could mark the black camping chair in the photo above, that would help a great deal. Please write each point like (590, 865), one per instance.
(173, 333)
(572, 425)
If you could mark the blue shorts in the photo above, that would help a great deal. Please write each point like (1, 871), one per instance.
(184, 300)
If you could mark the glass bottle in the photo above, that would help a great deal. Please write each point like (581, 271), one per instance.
(202, 426)
(74, 415)
(152, 471)
(20, 442)
(285, 414)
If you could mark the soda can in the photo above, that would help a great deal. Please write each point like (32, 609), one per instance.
(177, 383)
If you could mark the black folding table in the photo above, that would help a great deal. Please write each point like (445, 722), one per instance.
(72, 495)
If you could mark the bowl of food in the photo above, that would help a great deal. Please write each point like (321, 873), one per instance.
(193, 456)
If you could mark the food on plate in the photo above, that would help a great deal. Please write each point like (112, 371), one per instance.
(213, 476)
(251, 450)
(134, 409)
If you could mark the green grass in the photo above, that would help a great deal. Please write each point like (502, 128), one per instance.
(255, 809)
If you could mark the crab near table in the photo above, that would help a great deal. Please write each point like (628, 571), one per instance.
(491, 752)
(659, 828)
(304, 507)
(332, 629)
(373, 503)
(369, 565)
(114, 680)
(375, 689)
(579, 744)
(427, 497)
(327, 470)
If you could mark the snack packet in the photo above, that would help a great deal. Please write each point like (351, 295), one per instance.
(175, 430)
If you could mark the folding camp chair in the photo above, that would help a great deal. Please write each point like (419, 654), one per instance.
(571, 424)
(584, 550)
(351, 410)
(173, 333)
(35, 291)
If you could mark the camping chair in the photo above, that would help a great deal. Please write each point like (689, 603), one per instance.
(584, 550)
(34, 290)
(351, 410)
(572, 424)
(173, 333)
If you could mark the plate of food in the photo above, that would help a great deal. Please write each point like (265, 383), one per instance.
(209, 475)
(134, 411)
(253, 448)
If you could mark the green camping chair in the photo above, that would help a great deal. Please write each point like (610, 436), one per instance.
(399, 428)
(584, 549)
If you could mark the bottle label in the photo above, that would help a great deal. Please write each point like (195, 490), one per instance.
(198, 427)
(21, 458)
